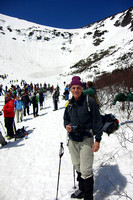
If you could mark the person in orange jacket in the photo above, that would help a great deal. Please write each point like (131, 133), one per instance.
(9, 114)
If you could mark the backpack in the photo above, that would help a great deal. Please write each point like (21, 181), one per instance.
(120, 97)
(92, 93)
(56, 94)
(110, 123)
(34, 100)
(20, 133)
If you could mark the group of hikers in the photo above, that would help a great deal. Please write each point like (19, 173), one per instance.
(78, 122)
(19, 98)
(82, 121)
(18, 101)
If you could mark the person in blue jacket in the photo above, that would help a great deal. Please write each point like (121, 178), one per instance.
(82, 123)
(19, 109)
(66, 93)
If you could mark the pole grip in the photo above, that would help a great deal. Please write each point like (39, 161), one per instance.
(61, 151)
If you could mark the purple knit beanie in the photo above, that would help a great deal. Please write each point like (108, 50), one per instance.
(75, 81)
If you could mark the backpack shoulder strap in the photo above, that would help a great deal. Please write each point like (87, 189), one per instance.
(68, 105)
(88, 104)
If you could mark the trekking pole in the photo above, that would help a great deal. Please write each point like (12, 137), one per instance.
(3, 127)
(14, 127)
(2, 124)
(61, 152)
(74, 177)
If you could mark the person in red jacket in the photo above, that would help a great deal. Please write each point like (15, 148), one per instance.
(9, 114)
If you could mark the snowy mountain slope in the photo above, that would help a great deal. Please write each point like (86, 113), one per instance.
(48, 51)
(29, 168)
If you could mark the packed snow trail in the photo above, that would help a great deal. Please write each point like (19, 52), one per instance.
(29, 167)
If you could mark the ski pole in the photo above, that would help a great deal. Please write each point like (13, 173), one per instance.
(74, 177)
(61, 152)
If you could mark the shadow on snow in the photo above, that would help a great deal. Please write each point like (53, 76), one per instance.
(109, 181)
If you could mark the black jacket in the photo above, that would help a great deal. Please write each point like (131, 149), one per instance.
(56, 95)
(26, 100)
(88, 122)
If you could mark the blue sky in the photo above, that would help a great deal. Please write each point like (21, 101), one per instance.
(68, 14)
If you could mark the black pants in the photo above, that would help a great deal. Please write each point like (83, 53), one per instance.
(41, 103)
(35, 110)
(9, 125)
(26, 108)
(55, 104)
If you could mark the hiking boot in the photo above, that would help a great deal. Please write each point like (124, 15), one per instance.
(9, 137)
(77, 194)
(88, 188)
(4, 144)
